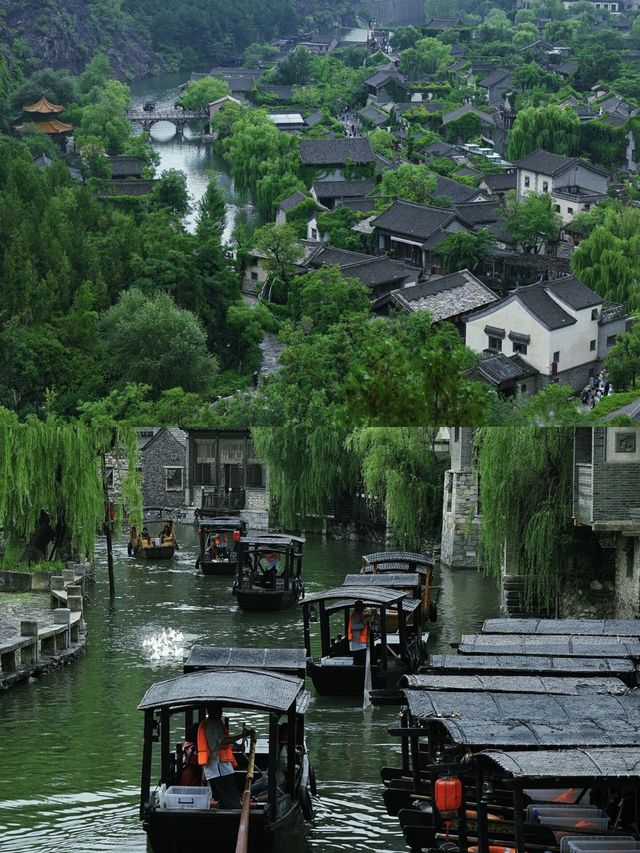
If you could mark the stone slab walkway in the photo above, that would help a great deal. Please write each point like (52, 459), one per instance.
(15, 606)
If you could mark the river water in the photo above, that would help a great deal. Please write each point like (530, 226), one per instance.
(70, 744)
(188, 153)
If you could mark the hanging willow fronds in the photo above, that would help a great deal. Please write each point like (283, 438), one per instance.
(57, 467)
(400, 467)
(525, 495)
(309, 469)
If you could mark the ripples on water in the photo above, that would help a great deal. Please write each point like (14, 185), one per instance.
(69, 745)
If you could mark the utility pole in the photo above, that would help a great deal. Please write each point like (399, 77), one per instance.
(108, 531)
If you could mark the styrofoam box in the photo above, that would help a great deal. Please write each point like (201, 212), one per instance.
(595, 824)
(598, 842)
(187, 797)
(609, 846)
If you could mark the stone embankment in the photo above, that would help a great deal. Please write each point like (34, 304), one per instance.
(39, 634)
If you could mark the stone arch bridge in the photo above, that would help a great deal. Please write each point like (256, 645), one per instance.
(178, 118)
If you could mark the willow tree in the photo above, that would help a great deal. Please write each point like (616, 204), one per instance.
(525, 494)
(58, 468)
(549, 127)
(400, 466)
(309, 468)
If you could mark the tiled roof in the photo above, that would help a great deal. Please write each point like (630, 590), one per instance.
(547, 163)
(441, 149)
(327, 254)
(449, 296)
(544, 308)
(383, 75)
(573, 292)
(495, 77)
(631, 410)
(292, 200)
(457, 192)
(500, 181)
(378, 270)
(343, 189)
(430, 106)
(361, 205)
(499, 368)
(315, 118)
(464, 110)
(124, 166)
(329, 152)
(374, 115)
(480, 212)
(417, 221)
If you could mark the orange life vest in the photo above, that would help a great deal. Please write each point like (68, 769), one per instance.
(225, 753)
(364, 634)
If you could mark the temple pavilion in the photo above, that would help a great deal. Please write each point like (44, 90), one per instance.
(43, 115)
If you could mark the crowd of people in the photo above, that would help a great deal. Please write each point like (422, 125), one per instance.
(596, 389)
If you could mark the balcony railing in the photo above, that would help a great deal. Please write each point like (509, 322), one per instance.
(612, 311)
(223, 500)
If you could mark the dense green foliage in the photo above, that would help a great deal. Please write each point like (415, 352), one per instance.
(532, 221)
(549, 127)
(623, 360)
(525, 493)
(56, 466)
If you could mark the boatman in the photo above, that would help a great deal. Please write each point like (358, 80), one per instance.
(358, 634)
(215, 756)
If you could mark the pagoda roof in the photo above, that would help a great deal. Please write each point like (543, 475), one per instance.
(43, 106)
(51, 127)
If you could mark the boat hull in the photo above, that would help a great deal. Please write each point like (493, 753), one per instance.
(218, 567)
(186, 830)
(155, 552)
(348, 680)
(266, 599)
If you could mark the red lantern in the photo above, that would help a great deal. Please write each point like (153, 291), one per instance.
(236, 535)
(448, 795)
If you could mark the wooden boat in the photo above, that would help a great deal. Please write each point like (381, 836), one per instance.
(269, 572)
(198, 822)
(334, 672)
(219, 540)
(407, 563)
(143, 545)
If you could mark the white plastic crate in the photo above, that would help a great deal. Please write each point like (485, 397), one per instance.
(187, 797)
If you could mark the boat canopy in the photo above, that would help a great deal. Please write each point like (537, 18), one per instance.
(574, 627)
(273, 540)
(523, 706)
(539, 664)
(552, 644)
(221, 657)
(519, 734)
(620, 763)
(401, 558)
(349, 595)
(515, 684)
(407, 580)
(222, 523)
(237, 688)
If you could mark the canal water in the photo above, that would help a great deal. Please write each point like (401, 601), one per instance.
(70, 743)
(188, 153)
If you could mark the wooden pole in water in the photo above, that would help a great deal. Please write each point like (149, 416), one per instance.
(243, 828)
(107, 531)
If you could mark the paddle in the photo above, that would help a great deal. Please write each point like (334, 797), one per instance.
(368, 681)
(243, 828)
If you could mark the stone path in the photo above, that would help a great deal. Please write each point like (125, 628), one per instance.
(271, 348)
(15, 606)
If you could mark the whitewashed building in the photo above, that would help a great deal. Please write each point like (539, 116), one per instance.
(561, 329)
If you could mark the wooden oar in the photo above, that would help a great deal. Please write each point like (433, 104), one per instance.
(243, 828)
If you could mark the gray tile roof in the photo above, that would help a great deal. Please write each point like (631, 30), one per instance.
(631, 410)
(449, 296)
(475, 213)
(330, 152)
(547, 163)
(361, 205)
(500, 181)
(536, 299)
(499, 368)
(292, 200)
(379, 270)
(464, 110)
(441, 149)
(125, 166)
(457, 192)
(495, 77)
(384, 75)
(417, 221)
(374, 115)
(343, 189)
(573, 292)
(328, 254)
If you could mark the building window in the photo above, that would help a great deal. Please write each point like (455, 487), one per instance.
(545, 186)
(556, 357)
(587, 207)
(594, 313)
(569, 210)
(592, 345)
(174, 479)
(628, 552)
(314, 233)
(611, 340)
(449, 492)
(254, 276)
(204, 468)
(556, 207)
(523, 389)
(527, 182)
(520, 348)
(456, 434)
(495, 344)
(255, 476)
(108, 478)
